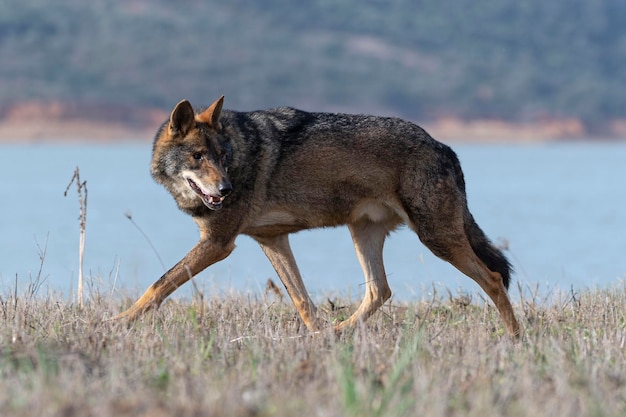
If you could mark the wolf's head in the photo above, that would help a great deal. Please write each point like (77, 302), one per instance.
(191, 157)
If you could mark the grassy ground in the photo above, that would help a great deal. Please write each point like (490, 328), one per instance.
(247, 356)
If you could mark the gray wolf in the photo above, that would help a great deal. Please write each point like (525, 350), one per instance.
(270, 173)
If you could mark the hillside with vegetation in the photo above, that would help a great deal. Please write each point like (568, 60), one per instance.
(520, 62)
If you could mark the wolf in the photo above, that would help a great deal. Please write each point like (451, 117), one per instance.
(270, 173)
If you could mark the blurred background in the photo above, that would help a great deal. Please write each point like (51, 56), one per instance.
(532, 92)
(557, 66)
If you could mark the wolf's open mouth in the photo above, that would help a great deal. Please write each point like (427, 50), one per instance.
(213, 202)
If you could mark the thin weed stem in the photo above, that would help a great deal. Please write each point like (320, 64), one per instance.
(81, 188)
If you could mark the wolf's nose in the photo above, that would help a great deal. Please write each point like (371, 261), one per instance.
(225, 188)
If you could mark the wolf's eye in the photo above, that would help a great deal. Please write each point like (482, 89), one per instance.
(197, 156)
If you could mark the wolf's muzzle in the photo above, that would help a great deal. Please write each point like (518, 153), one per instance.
(225, 188)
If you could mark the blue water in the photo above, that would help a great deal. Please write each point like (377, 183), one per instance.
(560, 208)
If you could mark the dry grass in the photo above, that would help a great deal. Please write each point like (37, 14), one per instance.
(247, 356)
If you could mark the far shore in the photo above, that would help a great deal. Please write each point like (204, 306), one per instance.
(445, 129)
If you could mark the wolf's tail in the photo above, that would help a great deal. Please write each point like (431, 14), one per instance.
(491, 256)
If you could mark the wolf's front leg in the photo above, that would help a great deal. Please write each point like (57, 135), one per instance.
(202, 255)
(280, 255)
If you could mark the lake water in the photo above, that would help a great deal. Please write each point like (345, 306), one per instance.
(560, 208)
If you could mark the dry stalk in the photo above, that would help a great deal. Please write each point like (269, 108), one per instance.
(81, 188)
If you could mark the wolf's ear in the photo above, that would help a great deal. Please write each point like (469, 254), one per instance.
(211, 115)
(182, 118)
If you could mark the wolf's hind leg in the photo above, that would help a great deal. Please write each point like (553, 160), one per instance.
(368, 238)
(466, 261)
(445, 233)
(279, 253)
